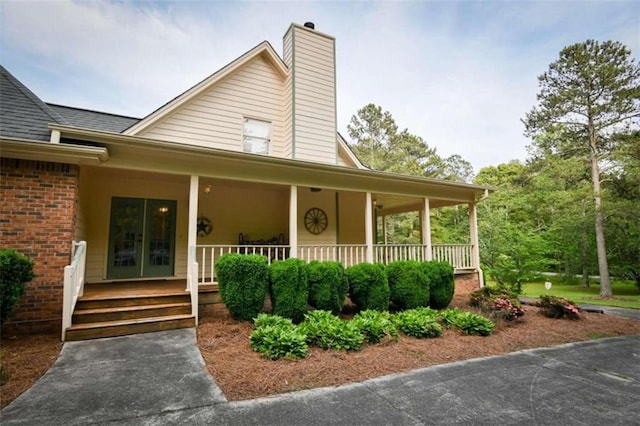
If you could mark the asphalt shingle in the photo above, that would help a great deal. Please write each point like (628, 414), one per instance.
(22, 114)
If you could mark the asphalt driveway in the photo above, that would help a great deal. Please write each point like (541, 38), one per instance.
(159, 378)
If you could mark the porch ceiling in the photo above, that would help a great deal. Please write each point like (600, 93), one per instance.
(135, 153)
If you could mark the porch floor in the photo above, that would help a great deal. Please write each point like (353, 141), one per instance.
(141, 288)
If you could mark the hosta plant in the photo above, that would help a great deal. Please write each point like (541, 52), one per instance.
(375, 326)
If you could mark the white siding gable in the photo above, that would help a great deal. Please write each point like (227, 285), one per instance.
(214, 118)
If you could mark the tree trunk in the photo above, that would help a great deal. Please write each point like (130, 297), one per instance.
(605, 281)
(583, 249)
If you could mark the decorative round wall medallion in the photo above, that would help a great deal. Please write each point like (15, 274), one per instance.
(315, 220)
(204, 226)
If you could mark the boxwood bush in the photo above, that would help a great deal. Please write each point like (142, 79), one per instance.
(15, 270)
(243, 281)
(328, 286)
(441, 283)
(368, 286)
(289, 288)
(408, 284)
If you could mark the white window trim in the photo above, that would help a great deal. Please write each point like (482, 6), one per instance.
(267, 139)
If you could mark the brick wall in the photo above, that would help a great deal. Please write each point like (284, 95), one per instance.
(37, 218)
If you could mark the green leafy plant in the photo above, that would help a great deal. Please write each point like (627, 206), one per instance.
(500, 302)
(276, 337)
(328, 286)
(15, 270)
(327, 331)
(441, 283)
(473, 324)
(448, 316)
(368, 286)
(264, 320)
(408, 284)
(375, 326)
(420, 323)
(506, 309)
(558, 307)
(289, 288)
(243, 282)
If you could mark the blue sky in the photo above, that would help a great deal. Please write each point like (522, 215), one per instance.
(460, 74)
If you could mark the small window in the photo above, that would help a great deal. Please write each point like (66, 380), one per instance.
(255, 137)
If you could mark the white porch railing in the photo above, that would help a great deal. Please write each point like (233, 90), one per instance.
(347, 254)
(458, 255)
(387, 253)
(207, 255)
(73, 283)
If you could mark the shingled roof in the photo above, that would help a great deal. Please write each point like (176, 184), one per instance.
(22, 114)
(95, 120)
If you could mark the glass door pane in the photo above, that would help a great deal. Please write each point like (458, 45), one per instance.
(125, 238)
(159, 241)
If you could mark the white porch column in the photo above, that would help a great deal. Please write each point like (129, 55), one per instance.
(193, 224)
(475, 244)
(293, 221)
(368, 227)
(384, 229)
(425, 221)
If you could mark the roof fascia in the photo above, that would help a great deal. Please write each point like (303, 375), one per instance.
(134, 152)
(263, 48)
(345, 147)
(25, 149)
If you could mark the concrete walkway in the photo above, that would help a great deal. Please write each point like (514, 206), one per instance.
(159, 379)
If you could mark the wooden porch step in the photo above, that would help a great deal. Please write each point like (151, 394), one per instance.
(96, 330)
(131, 300)
(118, 313)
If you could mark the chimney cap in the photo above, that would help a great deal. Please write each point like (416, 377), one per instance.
(310, 25)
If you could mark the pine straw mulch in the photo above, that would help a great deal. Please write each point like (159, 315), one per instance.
(243, 374)
(25, 358)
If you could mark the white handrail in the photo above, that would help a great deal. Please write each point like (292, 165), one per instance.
(192, 283)
(73, 283)
(207, 255)
(458, 255)
(347, 254)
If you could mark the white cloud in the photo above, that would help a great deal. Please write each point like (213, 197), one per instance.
(459, 74)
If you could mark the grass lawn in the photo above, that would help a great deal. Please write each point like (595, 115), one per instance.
(625, 293)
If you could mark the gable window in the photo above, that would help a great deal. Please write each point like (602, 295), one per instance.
(255, 137)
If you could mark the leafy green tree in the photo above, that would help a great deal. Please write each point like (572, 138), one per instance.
(381, 146)
(589, 93)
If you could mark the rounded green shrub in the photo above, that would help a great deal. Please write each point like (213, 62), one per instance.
(328, 286)
(408, 284)
(441, 283)
(289, 288)
(243, 281)
(368, 286)
(15, 270)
